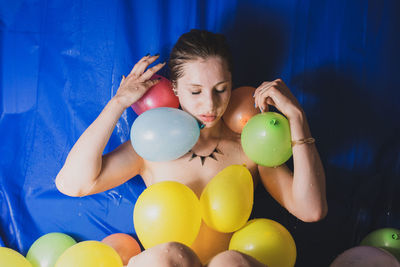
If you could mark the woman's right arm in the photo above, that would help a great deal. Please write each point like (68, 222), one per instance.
(86, 170)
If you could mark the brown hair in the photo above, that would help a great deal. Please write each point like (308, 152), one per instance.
(197, 44)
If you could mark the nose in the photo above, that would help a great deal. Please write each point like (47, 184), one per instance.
(209, 102)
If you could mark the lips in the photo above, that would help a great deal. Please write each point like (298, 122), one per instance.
(207, 118)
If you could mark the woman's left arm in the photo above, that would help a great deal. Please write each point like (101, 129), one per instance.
(302, 193)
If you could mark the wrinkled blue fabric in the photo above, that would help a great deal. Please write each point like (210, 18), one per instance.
(62, 61)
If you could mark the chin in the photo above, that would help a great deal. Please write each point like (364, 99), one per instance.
(211, 123)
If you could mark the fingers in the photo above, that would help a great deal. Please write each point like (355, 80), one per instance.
(150, 83)
(142, 65)
(261, 94)
(122, 80)
(150, 72)
(266, 94)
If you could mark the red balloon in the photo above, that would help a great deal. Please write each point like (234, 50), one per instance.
(125, 245)
(159, 95)
(240, 109)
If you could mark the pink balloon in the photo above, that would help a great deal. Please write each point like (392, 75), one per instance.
(365, 256)
(159, 95)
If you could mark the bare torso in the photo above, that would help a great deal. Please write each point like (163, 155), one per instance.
(196, 176)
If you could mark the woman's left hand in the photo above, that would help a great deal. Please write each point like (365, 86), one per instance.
(277, 94)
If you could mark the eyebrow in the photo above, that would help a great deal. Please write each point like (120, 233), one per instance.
(198, 85)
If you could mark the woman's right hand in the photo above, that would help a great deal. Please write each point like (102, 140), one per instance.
(135, 85)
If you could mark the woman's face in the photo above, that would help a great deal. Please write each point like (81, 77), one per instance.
(204, 89)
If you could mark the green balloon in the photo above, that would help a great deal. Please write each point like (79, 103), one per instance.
(266, 139)
(11, 258)
(385, 238)
(45, 251)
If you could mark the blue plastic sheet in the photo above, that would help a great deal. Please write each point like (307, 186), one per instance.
(61, 61)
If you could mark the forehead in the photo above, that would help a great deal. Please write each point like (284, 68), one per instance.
(205, 71)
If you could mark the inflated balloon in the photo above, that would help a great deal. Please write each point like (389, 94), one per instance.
(159, 95)
(125, 245)
(89, 254)
(385, 238)
(45, 251)
(11, 258)
(163, 134)
(266, 139)
(209, 243)
(365, 256)
(267, 241)
(165, 212)
(227, 200)
(240, 109)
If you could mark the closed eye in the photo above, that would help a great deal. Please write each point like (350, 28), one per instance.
(221, 91)
(196, 93)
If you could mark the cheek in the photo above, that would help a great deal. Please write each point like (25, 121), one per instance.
(187, 102)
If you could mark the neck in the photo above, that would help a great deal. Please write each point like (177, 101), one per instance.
(207, 134)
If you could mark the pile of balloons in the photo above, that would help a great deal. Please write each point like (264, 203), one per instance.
(379, 248)
(61, 250)
(170, 211)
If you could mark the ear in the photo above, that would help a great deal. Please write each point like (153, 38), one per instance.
(174, 89)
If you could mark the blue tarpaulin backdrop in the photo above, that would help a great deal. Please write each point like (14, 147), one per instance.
(61, 61)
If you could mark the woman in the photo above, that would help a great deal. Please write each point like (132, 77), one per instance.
(201, 67)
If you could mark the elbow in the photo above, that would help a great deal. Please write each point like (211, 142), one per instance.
(63, 188)
(316, 215)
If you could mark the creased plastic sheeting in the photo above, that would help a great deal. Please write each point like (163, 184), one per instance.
(61, 62)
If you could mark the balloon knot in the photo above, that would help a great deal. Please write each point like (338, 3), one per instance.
(274, 122)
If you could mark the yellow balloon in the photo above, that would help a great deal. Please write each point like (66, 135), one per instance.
(11, 258)
(267, 241)
(165, 212)
(89, 254)
(227, 200)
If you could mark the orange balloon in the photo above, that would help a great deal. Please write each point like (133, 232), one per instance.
(240, 109)
(125, 245)
(209, 243)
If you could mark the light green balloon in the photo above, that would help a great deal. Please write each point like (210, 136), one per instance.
(11, 258)
(45, 251)
(384, 238)
(266, 139)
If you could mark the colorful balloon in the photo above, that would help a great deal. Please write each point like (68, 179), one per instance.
(209, 243)
(159, 95)
(164, 134)
(385, 238)
(240, 109)
(45, 251)
(267, 241)
(125, 245)
(11, 258)
(227, 200)
(165, 212)
(266, 139)
(365, 256)
(89, 254)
